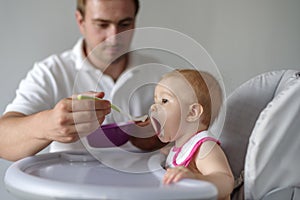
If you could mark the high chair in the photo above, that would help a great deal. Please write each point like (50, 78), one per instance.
(77, 175)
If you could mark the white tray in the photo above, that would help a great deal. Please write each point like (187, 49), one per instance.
(77, 175)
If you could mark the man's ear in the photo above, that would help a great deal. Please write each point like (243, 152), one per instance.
(80, 21)
(195, 112)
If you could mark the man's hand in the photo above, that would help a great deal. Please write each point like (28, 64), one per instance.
(72, 118)
(25, 135)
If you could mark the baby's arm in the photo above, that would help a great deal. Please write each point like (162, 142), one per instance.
(213, 165)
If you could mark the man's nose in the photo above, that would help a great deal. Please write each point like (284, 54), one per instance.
(112, 36)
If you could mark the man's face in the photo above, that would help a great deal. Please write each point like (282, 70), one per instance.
(102, 21)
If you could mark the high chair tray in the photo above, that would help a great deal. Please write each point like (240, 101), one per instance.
(77, 175)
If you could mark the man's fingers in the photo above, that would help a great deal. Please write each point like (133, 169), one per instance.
(89, 116)
(90, 93)
(84, 105)
(84, 129)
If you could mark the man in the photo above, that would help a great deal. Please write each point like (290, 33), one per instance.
(44, 109)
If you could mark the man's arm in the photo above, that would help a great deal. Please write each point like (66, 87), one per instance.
(23, 135)
(19, 135)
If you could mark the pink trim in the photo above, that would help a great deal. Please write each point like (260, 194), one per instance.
(187, 161)
(175, 149)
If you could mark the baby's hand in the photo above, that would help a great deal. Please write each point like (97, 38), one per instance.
(177, 173)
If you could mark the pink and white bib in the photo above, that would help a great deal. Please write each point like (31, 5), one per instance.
(181, 156)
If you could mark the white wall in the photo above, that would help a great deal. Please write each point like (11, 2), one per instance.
(31, 30)
(244, 37)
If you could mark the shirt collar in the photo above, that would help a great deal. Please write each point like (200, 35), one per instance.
(81, 63)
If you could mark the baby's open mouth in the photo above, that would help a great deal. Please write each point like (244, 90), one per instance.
(156, 125)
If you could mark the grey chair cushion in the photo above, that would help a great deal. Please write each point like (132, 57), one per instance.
(248, 108)
(243, 108)
(292, 193)
(272, 159)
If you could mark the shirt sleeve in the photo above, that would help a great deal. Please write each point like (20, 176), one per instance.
(35, 92)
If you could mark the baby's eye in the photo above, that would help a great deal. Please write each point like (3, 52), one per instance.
(164, 101)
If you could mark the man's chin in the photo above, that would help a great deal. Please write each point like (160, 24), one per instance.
(113, 59)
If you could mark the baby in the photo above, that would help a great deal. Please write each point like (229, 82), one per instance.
(186, 103)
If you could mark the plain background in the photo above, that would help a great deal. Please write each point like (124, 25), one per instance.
(244, 37)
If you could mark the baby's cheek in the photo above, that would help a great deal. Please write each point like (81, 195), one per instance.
(171, 128)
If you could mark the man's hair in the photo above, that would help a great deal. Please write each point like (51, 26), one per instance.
(207, 90)
(82, 3)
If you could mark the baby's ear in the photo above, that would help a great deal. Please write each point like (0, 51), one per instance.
(195, 112)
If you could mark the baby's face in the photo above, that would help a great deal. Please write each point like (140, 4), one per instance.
(170, 108)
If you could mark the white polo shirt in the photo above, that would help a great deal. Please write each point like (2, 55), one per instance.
(61, 76)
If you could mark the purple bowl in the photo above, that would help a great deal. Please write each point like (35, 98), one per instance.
(109, 135)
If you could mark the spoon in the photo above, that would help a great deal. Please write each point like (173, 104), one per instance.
(116, 108)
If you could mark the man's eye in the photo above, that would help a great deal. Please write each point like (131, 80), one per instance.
(164, 101)
(102, 25)
(124, 25)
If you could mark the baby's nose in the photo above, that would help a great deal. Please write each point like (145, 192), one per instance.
(153, 108)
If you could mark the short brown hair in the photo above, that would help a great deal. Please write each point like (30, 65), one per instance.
(82, 3)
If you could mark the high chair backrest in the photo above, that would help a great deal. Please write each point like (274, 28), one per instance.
(261, 136)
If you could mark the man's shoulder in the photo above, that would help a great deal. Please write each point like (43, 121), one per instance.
(66, 58)
(56, 61)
